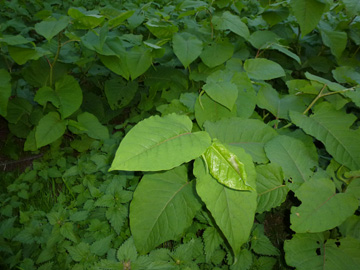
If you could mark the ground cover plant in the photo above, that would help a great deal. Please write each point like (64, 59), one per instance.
(180, 134)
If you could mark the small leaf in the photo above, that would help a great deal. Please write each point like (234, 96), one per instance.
(67, 230)
(93, 128)
(263, 69)
(187, 47)
(127, 251)
(100, 247)
(49, 129)
(79, 252)
(225, 167)
(160, 143)
(321, 208)
(212, 241)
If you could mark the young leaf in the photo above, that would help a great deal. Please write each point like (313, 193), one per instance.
(294, 158)
(49, 129)
(263, 69)
(250, 134)
(270, 187)
(5, 91)
(321, 208)
(314, 251)
(232, 210)
(187, 47)
(331, 127)
(308, 13)
(157, 143)
(225, 167)
(67, 230)
(163, 206)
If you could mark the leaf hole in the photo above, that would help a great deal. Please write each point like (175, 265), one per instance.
(318, 251)
(337, 243)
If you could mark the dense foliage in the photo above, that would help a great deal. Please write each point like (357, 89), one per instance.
(180, 134)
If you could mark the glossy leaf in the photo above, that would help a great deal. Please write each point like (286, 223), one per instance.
(314, 251)
(249, 134)
(5, 91)
(270, 185)
(52, 27)
(49, 129)
(225, 167)
(187, 47)
(321, 207)
(163, 206)
(160, 144)
(293, 157)
(332, 128)
(232, 210)
(308, 13)
(263, 69)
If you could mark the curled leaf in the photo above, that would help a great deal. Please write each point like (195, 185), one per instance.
(225, 167)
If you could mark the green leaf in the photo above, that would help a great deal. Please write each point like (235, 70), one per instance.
(270, 187)
(118, 93)
(79, 252)
(261, 244)
(70, 95)
(335, 40)
(232, 210)
(118, 20)
(92, 127)
(160, 143)
(352, 7)
(225, 167)
(263, 69)
(67, 230)
(163, 206)
(212, 241)
(321, 208)
(223, 50)
(346, 74)
(313, 251)
(249, 134)
(47, 94)
(116, 65)
(22, 55)
(206, 109)
(268, 98)
(351, 227)
(161, 29)
(231, 22)
(308, 13)
(274, 16)
(127, 251)
(101, 247)
(138, 60)
(294, 158)
(5, 91)
(187, 47)
(84, 19)
(51, 27)
(49, 129)
(331, 85)
(117, 216)
(332, 128)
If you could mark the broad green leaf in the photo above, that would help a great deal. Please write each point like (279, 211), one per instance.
(138, 60)
(249, 134)
(49, 129)
(274, 16)
(67, 230)
(321, 207)
(260, 39)
(22, 55)
(332, 128)
(116, 65)
(270, 185)
(232, 22)
(5, 91)
(207, 109)
(51, 27)
(346, 74)
(118, 93)
(83, 19)
(47, 94)
(70, 95)
(331, 85)
(232, 210)
(101, 246)
(335, 40)
(118, 20)
(212, 241)
(308, 13)
(222, 49)
(160, 143)
(351, 227)
(285, 51)
(352, 7)
(268, 98)
(187, 47)
(163, 206)
(225, 167)
(92, 127)
(263, 69)
(220, 89)
(315, 252)
(14, 40)
(294, 158)
(161, 29)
